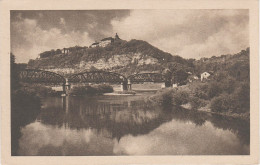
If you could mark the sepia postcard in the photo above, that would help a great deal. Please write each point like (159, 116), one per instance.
(129, 82)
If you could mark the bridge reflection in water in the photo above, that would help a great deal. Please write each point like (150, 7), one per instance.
(118, 117)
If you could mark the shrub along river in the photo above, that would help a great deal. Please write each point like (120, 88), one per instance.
(128, 125)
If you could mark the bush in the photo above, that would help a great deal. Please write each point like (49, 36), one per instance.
(221, 103)
(238, 101)
(169, 97)
(196, 102)
(104, 88)
(24, 96)
(164, 97)
(90, 90)
(241, 98)
(80, 90)
(180, 77)
(180, 97)
(201, 91)
(214, 89)
(228, 85)
(220, 76)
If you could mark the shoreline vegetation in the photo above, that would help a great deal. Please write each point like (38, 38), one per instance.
(226, 91)
(209, 97)
(25, 106)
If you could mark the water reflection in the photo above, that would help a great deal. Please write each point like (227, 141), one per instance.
(106, 125)
(178, 138)
(24, 110)
(40, 139)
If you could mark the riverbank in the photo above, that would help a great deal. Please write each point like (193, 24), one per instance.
(206, 109)
(210, 97)
(45, 91)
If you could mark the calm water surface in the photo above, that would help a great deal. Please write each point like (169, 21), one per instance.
(128, 125)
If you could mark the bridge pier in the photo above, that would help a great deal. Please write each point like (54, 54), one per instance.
(129, 85)
(66, 87)
(124, 86)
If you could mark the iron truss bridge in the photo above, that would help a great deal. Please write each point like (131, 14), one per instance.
(46, 77)
(41, 77)
(96, 77)
(146, 77)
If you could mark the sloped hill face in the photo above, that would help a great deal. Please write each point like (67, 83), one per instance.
(121, 56)
(236, 65)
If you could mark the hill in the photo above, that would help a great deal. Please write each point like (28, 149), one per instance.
(135, 56)
(118, 56)
(236, 65)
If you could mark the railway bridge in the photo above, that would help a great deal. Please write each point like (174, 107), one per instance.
(51, 78)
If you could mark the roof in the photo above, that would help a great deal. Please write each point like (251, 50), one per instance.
(95, 43)
(108, 38)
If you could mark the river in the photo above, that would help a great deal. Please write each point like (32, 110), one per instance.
(129, 125)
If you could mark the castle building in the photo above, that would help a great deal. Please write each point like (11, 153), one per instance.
(95, 44)
(105, 41)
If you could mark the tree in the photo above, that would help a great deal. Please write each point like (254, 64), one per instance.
(14, 73)
(52, 52)
(180, 77)
(58, 51)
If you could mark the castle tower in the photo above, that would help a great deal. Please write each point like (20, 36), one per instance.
(117, 37)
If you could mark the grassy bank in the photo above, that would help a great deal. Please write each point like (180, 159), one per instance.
(44, 91)
(126, 92)
(39, 90)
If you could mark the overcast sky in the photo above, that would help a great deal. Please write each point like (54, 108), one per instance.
(188, 33)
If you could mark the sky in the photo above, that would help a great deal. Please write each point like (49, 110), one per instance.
(187, 33)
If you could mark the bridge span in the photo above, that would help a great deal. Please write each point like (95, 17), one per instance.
(51, 78)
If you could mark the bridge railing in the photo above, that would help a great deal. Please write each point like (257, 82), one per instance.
(147, 77)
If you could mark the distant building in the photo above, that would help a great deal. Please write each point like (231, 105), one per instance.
(105, 41)
(95, 44)
(204, 75)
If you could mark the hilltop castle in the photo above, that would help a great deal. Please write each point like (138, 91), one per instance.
(104, 42)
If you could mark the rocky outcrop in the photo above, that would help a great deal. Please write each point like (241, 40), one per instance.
(117, 60)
